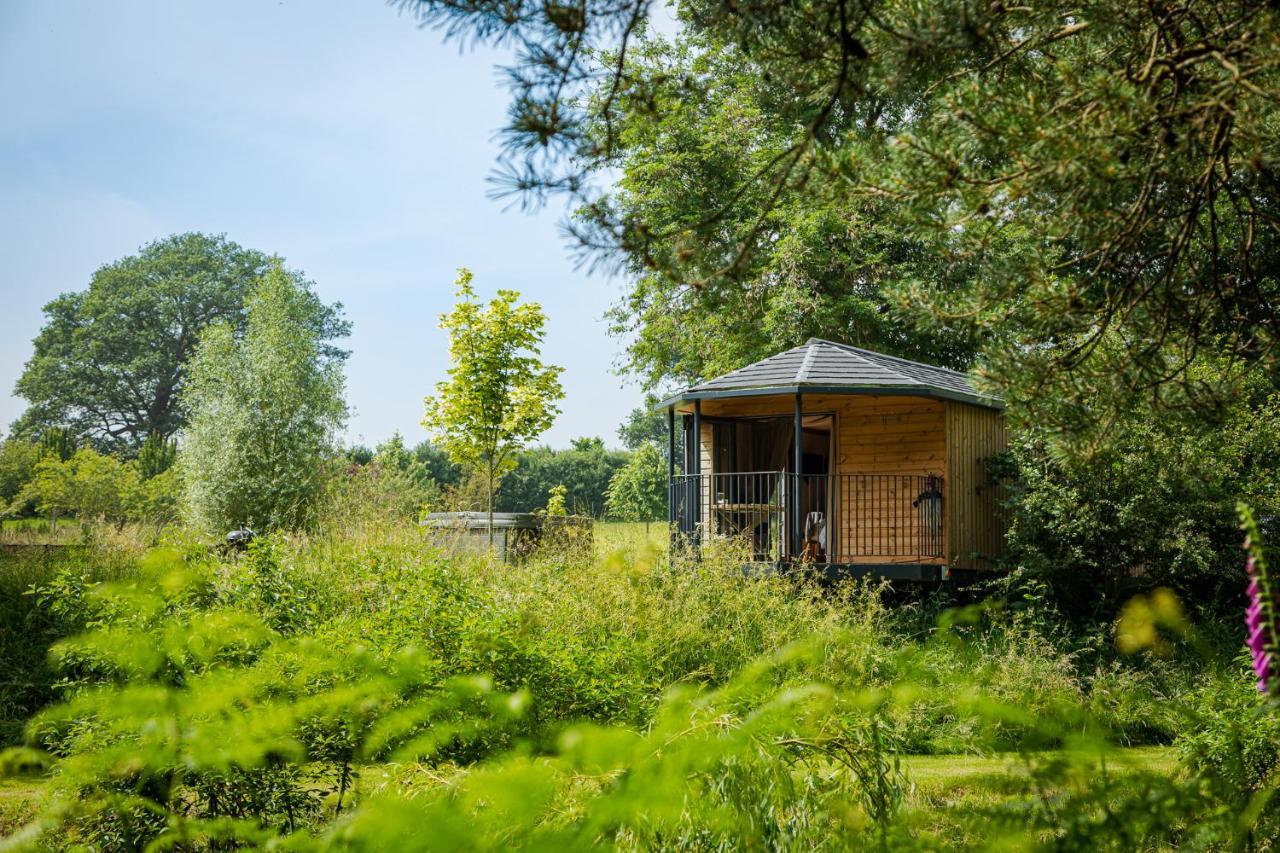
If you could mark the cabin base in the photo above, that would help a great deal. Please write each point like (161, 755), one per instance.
(918, 572)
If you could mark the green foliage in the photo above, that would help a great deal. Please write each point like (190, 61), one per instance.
(645, 426)
(156, 456)
(1153, 504)
(59, 442)
(1036, 179)
(556, 503)
(1237, 741)
(18, 461)
(392, 484)
(265, 409)
(638, 491)
(584, 470)
(273, 699)
(41, 595)
(499, 395)
(89, 486)
(439, 467)
(780, 264)
(111, 361)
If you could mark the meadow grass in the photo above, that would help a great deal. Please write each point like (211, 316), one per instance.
(603, 636)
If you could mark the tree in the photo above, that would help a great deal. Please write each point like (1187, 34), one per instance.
(644, 426)
(1101, 169)
(442, 469)
(638, 492)
(89, 485)
(583, 469)
(1154, 506)
(18, 460)
(499, 395)
(110, 361)
(825, 262)
(156, 455)
(265, 410)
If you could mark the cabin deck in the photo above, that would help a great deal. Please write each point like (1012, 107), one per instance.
(822, 519)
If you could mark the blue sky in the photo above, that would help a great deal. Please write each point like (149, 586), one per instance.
(338, 134)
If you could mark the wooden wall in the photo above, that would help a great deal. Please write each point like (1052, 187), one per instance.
(875, 434)
(975, 522)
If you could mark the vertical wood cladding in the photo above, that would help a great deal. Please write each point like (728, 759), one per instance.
(975, 522)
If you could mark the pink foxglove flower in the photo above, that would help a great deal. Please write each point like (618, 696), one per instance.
(1260, 615)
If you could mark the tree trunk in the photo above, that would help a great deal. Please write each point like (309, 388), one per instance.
(490, 510)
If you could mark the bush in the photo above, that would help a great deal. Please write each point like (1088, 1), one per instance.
(41, 601)
(1155, 506)
(1236, 738)
(18, 460)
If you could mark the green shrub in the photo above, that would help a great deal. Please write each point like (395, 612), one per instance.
(1154, 505)
(1236, 738)
(265, 408)
(41, 601)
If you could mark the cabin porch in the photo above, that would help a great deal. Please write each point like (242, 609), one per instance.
(842, 524)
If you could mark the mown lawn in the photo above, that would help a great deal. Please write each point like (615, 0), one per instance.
(953, 796)
(25, 531)
(942, 772)
(611, 536)
(19, 800)
(941, 783)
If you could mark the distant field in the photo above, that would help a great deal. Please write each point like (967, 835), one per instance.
(36, 530)
(624, 535)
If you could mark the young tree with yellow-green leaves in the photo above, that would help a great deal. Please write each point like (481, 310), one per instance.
(499, 395)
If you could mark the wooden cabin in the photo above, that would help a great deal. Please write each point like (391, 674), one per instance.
(853, 461)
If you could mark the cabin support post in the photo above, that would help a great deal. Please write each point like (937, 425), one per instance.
(696, 465)
(671, 479)
(797, 523)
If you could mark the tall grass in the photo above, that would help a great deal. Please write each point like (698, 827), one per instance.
(569, 699)
(602, 639)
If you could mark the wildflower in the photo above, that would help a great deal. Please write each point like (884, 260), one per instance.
(1256, 628)
(1260, 614)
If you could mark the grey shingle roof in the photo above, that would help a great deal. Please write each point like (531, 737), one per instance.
(828, 367)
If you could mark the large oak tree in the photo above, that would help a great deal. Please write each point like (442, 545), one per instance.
(110, 361)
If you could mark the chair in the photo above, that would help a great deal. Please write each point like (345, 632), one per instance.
(815, 538)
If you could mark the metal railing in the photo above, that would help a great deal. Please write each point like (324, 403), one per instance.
(821, 518)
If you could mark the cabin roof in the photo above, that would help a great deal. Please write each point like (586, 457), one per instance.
(826, 367)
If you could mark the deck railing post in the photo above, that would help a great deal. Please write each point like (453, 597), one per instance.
(797, 530)
(671, 481)
(696, 465)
